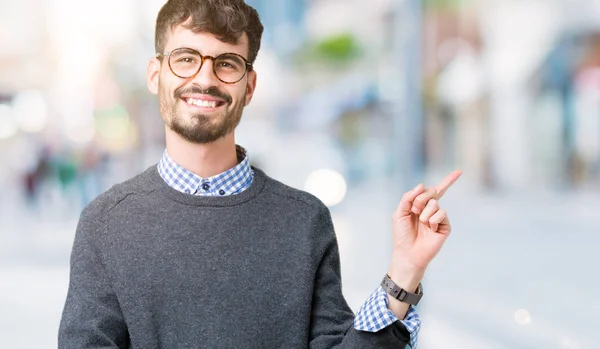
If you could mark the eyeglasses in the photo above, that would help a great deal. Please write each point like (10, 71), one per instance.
(186, 62)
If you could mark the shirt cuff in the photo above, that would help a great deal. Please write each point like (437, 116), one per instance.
(374, 315)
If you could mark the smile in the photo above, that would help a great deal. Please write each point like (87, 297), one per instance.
(202, 103)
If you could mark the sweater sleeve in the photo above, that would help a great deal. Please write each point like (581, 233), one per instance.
(331, 318)
(91, 316)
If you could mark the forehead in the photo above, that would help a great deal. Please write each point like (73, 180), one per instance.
(205, 43)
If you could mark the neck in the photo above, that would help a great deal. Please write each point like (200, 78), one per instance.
(204, 160)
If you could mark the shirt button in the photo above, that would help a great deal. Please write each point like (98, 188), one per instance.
(205, 186)
(221, 192)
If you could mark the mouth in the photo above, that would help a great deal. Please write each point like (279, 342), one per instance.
(203, 104)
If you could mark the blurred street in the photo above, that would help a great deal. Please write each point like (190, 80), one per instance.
(534, 253)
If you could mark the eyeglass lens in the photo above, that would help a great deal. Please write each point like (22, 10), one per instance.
(228, 67)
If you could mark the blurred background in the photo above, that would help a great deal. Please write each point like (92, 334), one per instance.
(357, 102)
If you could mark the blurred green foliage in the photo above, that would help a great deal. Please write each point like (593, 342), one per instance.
(445, 4)
(334, 51)
(340, 47)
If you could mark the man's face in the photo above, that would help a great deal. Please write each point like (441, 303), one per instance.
(201, 108)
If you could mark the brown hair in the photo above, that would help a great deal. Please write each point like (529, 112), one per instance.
(226, 19)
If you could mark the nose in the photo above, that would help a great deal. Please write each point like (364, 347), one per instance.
(206, 76)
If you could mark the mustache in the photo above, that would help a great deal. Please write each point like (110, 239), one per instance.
(211, 91)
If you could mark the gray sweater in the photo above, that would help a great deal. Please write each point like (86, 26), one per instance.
(155, 268)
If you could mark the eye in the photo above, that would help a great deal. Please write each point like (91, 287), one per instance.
(225, 65)
(186, 59)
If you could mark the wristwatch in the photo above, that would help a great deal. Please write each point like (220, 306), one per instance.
(399, 293)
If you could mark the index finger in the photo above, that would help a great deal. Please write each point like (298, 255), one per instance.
(447, 182)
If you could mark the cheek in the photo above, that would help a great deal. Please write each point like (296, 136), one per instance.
(239, 95)
(166, 83)
(166, 92)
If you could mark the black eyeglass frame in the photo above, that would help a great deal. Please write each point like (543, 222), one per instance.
(167, 55)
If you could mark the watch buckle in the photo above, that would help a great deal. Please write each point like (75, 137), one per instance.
(402, 295)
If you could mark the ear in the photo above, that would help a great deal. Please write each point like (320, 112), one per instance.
(251, 86)
(152, 74)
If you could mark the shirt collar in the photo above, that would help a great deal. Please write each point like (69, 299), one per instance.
(233, 181)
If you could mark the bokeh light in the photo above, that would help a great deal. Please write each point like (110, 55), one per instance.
(8, 126)
(522, 317)
(80, 133)
(327, 185)
(30, 110)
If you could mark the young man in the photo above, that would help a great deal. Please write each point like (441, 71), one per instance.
(205, 251)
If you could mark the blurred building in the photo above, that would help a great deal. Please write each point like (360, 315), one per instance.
(284, 24)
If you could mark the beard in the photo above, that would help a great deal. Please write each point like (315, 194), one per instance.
(197, 127)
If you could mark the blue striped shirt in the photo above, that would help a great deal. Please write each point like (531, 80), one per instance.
(374, 315)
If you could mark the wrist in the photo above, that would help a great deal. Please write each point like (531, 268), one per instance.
(405, 275)
(398, 293)
(407, 278)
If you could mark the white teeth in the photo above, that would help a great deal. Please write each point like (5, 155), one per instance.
(202, 103)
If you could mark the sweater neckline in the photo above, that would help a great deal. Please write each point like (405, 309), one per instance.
(216, 201)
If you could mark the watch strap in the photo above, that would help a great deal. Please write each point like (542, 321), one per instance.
(401, 294)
